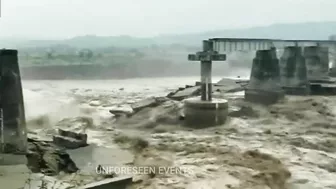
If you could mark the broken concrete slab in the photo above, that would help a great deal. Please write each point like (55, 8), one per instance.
(119, 112)
(227, 89)
(71, 134)
(88, 158)
(67, 142)
(224, 86)
(225, 81)
(148, 102)
(77, 124)
(69, 139)
(231, 82)
(17, 180)
(186, 93)
(116, 183)
(38, 137)
(45, 157)
(43, 181)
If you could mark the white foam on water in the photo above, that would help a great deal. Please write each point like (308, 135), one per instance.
(55, 99)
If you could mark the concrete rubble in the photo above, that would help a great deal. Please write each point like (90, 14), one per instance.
(51, 158)
(223, 86)
(70, 139)
(149, 102)
(61, 161)
(45, 157)
(183, 93)
(50, 166)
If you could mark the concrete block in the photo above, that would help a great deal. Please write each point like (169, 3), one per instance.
(15, 131)
(317, 62)
(69, 139)
(264, 86)
(293, 71)
(46, 157)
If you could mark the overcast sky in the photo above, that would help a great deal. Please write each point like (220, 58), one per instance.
(68, 18)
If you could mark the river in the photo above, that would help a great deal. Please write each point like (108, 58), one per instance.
(294, 132)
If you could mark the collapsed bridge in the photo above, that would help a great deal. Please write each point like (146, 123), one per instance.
(302, 61)
(301, 69)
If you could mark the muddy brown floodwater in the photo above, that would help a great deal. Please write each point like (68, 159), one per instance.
(289, 145)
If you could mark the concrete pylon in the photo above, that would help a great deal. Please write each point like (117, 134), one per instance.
(205, 111)
(264, 85)
(13, 130)
(332, 66)
(293, 71)
(317, 62)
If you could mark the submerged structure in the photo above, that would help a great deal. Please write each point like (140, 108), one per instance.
(317, 62)
(302, 68)
(13, 123)
(206, 111)
(264, 85)
(293, 71)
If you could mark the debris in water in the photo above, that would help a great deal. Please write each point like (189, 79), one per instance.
(47, 158)
(69, 139)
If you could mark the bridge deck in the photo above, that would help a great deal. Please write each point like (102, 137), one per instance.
(251, 44)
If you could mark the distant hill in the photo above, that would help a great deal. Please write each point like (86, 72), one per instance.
(308, 30)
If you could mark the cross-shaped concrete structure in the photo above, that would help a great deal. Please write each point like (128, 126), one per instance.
(206, 57)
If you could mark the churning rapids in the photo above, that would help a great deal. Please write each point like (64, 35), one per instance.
(288, 145)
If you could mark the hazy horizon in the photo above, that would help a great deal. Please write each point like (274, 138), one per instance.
(61, 19)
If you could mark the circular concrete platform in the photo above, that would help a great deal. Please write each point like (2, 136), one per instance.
(201, 114)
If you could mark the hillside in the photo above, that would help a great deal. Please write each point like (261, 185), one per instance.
(309, 30)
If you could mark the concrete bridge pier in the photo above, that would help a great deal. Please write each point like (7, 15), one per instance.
(293, 71)
(13, 132)
(205, 111)
(264, 86)
(317, 62)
